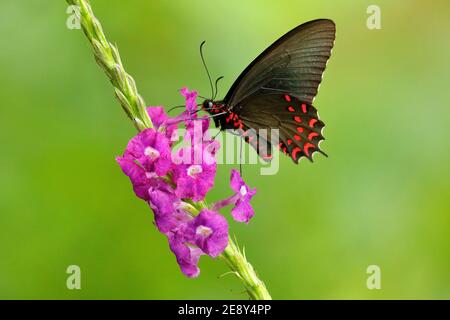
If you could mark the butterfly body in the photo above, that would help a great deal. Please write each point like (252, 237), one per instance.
(276, 91)
(225, 116)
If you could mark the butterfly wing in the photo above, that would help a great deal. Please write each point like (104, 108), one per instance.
(294, 64)
(277, 90)
(299, 127)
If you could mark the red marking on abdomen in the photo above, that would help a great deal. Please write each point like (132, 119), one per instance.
(229, 118)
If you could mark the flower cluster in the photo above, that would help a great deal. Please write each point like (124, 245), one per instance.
(173, 180)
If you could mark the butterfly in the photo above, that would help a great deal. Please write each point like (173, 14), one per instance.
(276, 91)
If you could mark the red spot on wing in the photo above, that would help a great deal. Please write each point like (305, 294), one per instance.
(289, 142)
(298, 119)
(291, 109)
(303, 108)
(282, 147)
(306, 148)
(312, 122)
(312, 135)
(297, 137)
(294, 153)
(287, 98)
(300, 129)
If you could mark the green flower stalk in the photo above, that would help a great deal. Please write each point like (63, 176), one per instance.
(107, 56)
(239, 265)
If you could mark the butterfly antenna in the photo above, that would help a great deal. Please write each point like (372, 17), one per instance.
(181, 106)
(176, 107)
(217, 91)
(209, 117)
(197, 111)
(206, 68)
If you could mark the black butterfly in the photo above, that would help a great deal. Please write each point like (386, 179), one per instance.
(277, 91)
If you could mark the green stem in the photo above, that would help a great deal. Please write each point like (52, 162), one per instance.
(107, 56)
(238, 263)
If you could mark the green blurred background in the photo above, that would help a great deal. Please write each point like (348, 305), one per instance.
(382, 197)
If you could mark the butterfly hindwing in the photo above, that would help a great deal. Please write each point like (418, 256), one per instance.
(298, 124)
(259, 137)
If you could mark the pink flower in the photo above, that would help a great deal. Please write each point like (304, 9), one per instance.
(207, 234)
(168, 184)
(141, 180)
(168, 209)
(151, 150)
(210, 232)
(242, 211)
(191, 99)
(163, 122)
(187, 256)
(193, 177)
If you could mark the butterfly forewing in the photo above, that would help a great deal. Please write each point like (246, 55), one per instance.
(294, 64)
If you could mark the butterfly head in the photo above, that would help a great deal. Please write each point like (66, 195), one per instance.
(208, 106)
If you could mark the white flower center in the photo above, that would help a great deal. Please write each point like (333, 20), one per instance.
(151, 152)
(194, 170)
(150, 175)
(203, 231)
(243, 190)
